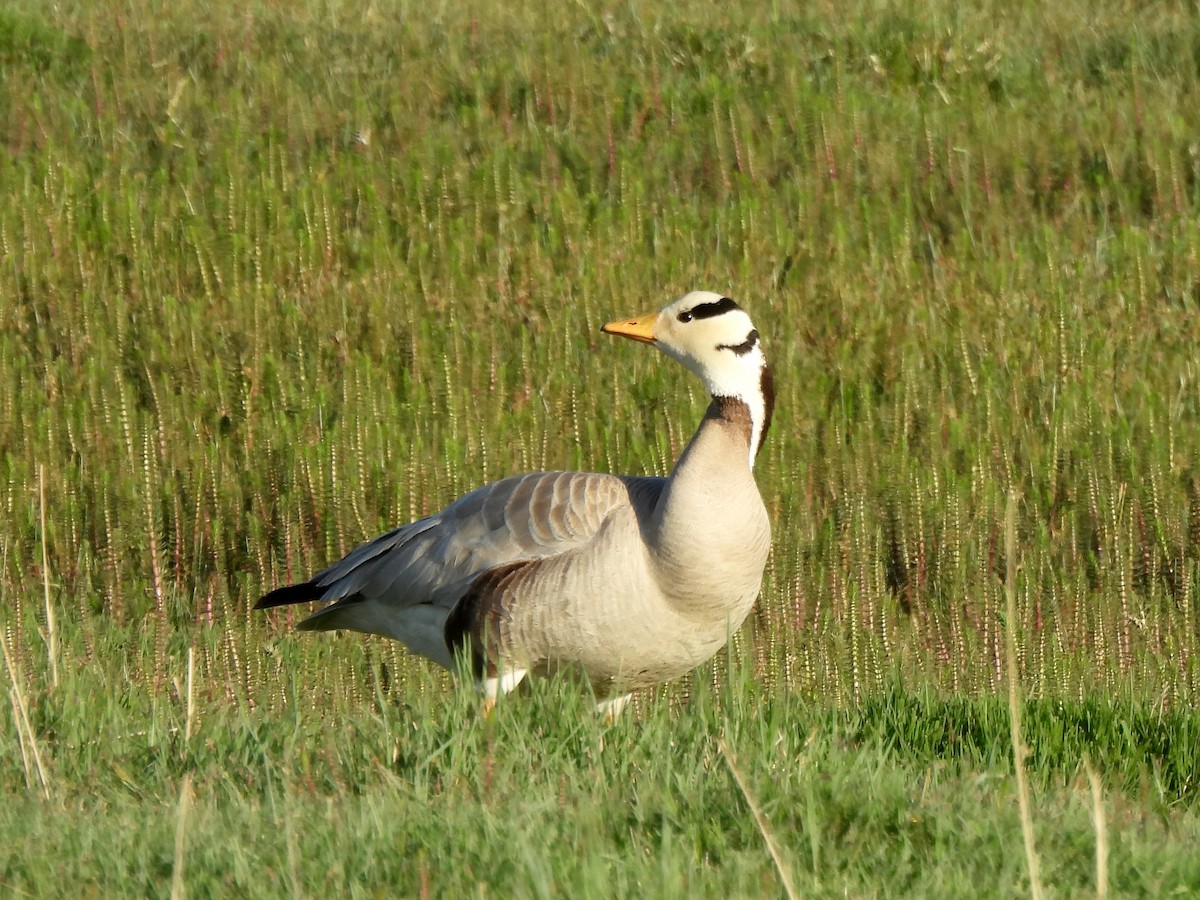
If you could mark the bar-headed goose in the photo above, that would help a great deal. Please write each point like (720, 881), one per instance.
(634, 580)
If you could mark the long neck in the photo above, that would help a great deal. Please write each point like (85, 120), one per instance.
(749, 411)
(733, 428)
(711, 507)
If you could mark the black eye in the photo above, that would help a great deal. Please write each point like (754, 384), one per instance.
(685, 316)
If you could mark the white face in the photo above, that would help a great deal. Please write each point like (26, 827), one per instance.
(714, 338)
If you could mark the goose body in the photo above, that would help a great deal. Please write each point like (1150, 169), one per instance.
(633, 580)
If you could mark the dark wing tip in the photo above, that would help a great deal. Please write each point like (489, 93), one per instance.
(285, 596)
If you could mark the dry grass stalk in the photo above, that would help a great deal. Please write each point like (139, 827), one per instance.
(25, 732)
(191, 706)
(178, 891)
(1014, 699)
(1101, 825)
(760, 820)
(51, 635)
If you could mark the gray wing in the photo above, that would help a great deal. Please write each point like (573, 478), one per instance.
(526, 517)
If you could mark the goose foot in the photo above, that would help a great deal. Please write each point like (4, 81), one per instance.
(504, 683)
(611, 708)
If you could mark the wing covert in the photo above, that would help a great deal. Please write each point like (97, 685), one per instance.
(525, 517)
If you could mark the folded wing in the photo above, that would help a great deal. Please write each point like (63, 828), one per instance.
(434, 561)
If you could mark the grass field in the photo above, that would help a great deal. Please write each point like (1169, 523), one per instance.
(274, 278)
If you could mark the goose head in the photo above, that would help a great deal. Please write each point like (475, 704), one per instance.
(714, 337)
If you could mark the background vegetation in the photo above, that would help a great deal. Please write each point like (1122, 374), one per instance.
(275, 278)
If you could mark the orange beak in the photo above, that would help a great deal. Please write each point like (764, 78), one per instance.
(638, 329)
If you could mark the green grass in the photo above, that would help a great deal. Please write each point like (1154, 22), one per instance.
(403, 792)
(274, 280)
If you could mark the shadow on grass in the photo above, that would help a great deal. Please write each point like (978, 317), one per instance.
(1127, 742)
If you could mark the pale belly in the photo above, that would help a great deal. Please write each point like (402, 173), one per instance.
(647, 648)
